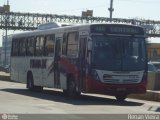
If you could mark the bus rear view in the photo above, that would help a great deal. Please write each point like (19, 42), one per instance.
(118, 60)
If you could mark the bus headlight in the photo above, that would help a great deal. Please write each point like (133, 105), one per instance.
(95, 75)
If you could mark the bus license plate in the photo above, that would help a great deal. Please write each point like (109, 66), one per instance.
(121, 89)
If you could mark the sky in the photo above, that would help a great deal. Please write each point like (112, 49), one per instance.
(145, 9)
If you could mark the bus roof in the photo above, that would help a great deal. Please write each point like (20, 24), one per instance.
(63, 28)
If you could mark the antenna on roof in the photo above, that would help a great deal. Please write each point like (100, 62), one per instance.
(7, 2)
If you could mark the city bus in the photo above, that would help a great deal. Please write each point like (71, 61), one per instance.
(108, 59)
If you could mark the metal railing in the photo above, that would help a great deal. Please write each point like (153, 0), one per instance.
(30, 21)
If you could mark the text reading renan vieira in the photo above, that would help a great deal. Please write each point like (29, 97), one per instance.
(143, 116)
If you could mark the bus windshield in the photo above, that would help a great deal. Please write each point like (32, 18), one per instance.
(118, 53)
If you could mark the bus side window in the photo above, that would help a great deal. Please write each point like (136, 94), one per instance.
(15, 46)
(49, 45)
(39, 45)
(64, 44)
(72, 49)
(30, 46)
(22, 47)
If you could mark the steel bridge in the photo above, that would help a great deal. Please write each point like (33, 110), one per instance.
(30, 21)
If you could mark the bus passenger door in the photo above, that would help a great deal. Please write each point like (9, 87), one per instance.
(82, 61)
(56, 63)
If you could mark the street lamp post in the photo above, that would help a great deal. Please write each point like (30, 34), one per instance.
(5, 40)
(111, 10)
(6, 9)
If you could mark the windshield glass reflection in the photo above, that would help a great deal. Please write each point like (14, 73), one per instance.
(118, 53)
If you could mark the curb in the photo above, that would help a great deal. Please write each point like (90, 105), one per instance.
(150, 96)
(5, 78)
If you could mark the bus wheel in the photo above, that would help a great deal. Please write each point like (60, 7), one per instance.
(30, 85)
(38, 88)
(65, 93)
(121, 97)
(71, 89)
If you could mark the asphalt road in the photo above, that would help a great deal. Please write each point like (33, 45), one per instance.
(16, 99)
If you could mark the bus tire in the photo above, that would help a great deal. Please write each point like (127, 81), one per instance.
(71, 89)
(38, 88)
(65, 93)
(31, 86)
(121, 97)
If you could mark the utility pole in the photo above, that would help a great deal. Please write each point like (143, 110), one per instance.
(7, 2)
(7, 9)
(5, 42)
(111, 10)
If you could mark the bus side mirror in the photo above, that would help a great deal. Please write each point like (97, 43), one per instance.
(89, 56)
(89, 44)
(89, 51)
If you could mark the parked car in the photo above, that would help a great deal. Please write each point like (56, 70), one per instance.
(153, 66)
(7, 68)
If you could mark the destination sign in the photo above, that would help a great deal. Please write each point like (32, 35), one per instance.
(117, 29)
(131, 30)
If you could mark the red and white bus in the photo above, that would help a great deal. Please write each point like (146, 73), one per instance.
(93, 58)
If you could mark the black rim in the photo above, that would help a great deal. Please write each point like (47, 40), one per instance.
(30, 82)
(71, 89)
(121, 97)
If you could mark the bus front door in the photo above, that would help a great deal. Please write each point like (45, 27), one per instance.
(56, 63)
(82, 62)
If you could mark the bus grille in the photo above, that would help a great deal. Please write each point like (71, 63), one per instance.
(118, 81)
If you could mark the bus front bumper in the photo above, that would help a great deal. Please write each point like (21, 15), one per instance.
(98, 87)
